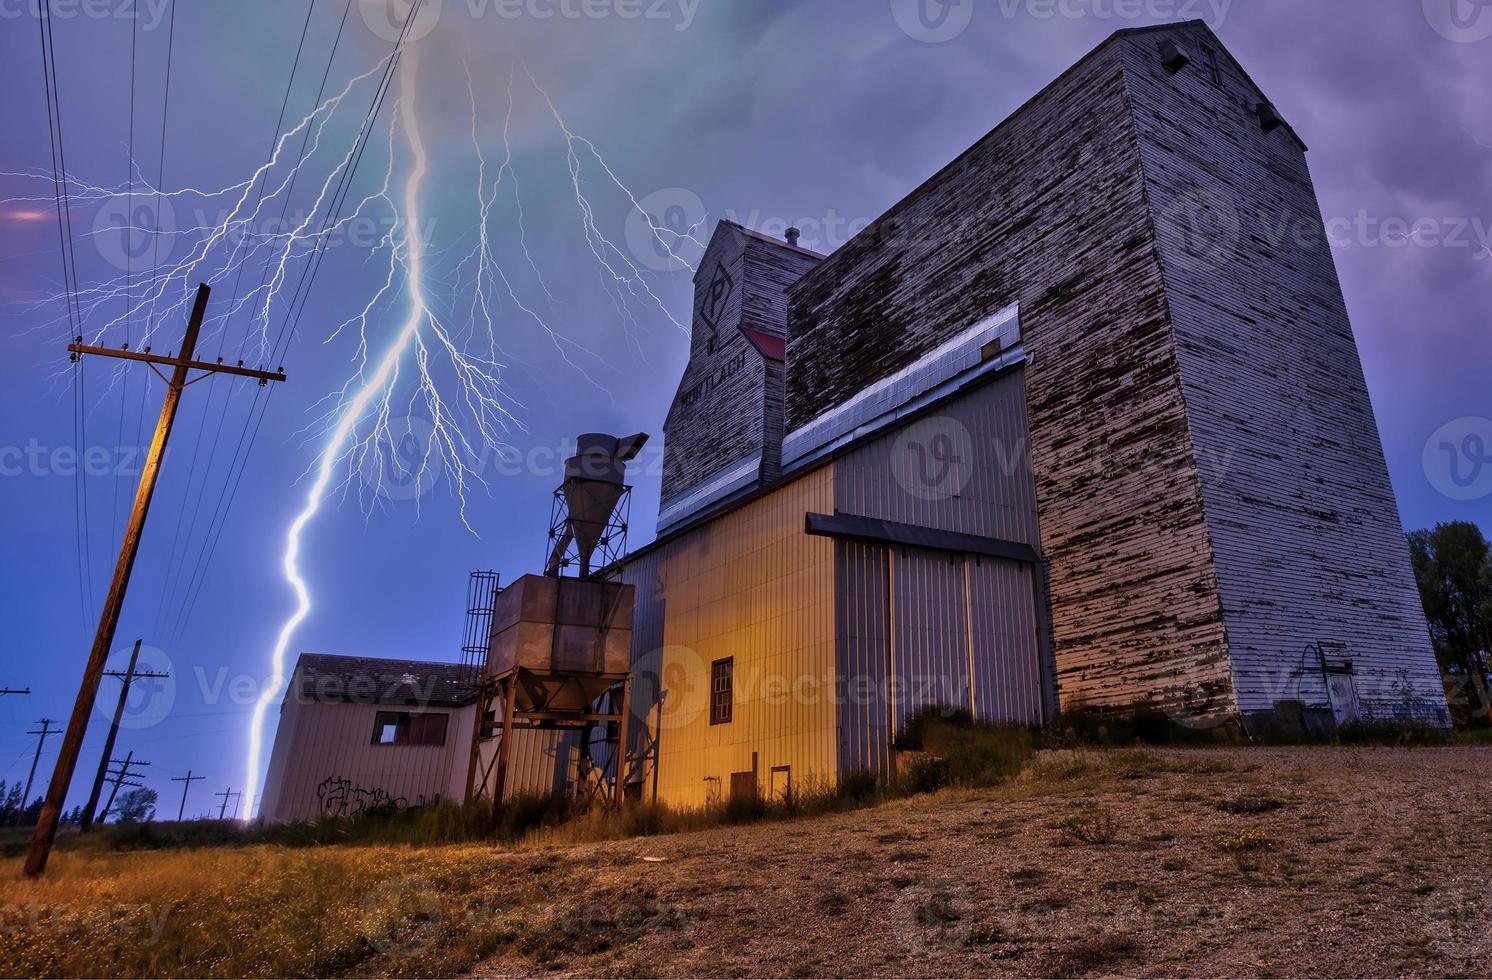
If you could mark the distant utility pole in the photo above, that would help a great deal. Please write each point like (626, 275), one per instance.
(186, 784)
(122, 778)
(41, 739)
(225, 794)
(108, 621)
(103, 763)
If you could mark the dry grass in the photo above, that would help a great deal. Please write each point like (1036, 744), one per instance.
(1375, 864)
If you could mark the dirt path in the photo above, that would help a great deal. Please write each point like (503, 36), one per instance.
(1256, 862)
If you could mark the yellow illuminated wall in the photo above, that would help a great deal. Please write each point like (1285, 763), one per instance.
(752, 586)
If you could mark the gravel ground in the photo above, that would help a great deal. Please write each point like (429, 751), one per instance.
(1217, 862)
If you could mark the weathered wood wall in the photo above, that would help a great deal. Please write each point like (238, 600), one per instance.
(1049, 210)
(1305, 530)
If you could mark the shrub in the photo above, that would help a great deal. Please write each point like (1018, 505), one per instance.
(922, 774)
(859, 787)
(745, 808)
(913, 736)
(526, 812)
(1090, 824)
(1251, 801)
(1251, 839)
(972, 753)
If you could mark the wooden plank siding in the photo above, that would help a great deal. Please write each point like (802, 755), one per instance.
(1305, 531)
(1049, 211)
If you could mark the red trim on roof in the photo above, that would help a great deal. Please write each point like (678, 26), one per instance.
(766, 344)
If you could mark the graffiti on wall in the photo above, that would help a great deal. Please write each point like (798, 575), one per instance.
(341, 797)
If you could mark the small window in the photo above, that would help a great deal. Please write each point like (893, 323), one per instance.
(1213, 67)
(722, 683)
(404, 728)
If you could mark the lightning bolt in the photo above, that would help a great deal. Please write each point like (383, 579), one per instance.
(447, 372)
(371, 396)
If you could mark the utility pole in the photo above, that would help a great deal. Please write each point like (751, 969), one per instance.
(121, 778)
(223, 808)
(108, 621)
(186, 784)
(103, 763)
(41, 739)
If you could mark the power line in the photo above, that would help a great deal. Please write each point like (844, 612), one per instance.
(173, 575)
(60, 200)
(302, 290)
(122, 777)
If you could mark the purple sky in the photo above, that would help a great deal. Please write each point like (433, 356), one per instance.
(820, 113)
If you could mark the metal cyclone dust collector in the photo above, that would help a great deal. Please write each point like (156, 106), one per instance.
(593, 486)
(559, 647)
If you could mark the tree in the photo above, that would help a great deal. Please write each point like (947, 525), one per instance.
(1453, 569)
(13, 810)
(136, 806)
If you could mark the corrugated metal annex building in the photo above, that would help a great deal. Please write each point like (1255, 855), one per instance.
(1060, 421)
(360, 733)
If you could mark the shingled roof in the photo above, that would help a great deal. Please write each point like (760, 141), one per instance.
(375, 680)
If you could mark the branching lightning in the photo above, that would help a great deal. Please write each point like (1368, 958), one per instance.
(421, 345)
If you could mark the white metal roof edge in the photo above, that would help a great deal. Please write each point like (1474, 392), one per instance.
(902, 391)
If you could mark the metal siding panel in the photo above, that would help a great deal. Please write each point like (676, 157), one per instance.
(862, 641)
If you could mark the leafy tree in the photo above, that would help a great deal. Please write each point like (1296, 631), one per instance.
(12, 811)
(136, 806)
(1453, 569)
